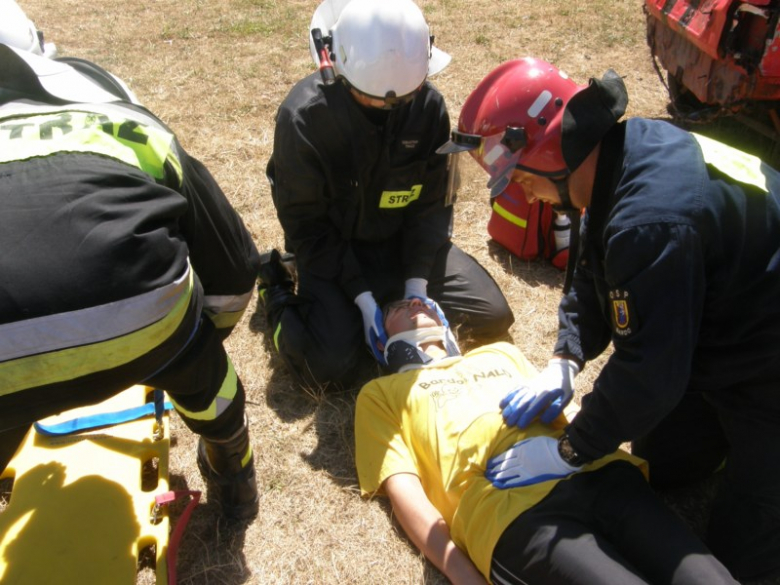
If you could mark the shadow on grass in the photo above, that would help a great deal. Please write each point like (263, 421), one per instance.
(332, 407)
(282, 393)
(211, 550)
(534, 273)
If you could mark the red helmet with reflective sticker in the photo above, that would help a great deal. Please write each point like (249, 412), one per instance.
(517, 110)
(518, 115)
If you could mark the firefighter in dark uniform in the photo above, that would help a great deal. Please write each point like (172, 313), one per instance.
(121, 262)
(362, 195)
(679, 269)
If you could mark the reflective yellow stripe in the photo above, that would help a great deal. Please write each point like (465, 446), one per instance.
(247, 456)
(277, 333)
(395, 199)
(71, 363)
(141, 146)
(738, 165)
(227, 392)
(225, 320)
(510, 217)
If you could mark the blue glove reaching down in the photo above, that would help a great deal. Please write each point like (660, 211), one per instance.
(373, 327)
(546, 395)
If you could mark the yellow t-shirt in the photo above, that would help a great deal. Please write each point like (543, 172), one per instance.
(442, 423)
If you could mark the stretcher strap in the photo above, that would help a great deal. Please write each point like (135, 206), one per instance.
(103, 419)
(178, 532)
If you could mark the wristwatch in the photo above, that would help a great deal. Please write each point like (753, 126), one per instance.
(569, 454)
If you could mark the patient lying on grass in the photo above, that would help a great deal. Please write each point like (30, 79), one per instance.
(432, 439)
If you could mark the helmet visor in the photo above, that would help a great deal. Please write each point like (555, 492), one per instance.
(438, 61)
(497, 153)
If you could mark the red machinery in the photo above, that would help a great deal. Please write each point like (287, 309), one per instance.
(722, 57)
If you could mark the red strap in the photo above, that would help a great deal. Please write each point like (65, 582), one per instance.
(178, 531)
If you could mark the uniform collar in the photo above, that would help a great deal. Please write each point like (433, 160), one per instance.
(609, 169)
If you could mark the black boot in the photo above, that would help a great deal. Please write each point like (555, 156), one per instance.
(274, 272)
(229, 470)
(275, 283)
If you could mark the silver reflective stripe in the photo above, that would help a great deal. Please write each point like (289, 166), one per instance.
(90, 325)
(226, 303)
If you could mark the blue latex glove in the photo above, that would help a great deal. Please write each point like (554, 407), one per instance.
(435, 306)
(528, 462)
(373, 328)
(546, 395)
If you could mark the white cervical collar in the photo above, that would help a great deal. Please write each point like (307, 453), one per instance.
(407, 354)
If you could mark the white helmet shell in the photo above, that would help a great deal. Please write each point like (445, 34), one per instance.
(16, 30)
(382, 48)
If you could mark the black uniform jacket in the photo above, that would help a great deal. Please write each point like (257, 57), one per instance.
(112, 240)
(680, 270)
(343, 176)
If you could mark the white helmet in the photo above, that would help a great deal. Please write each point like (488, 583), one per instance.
(382, 48)
(17, 30)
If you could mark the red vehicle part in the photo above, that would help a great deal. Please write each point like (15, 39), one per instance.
(724, 52)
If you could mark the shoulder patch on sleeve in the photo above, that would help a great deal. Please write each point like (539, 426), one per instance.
(624, 318)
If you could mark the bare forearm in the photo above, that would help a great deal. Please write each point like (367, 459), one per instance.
(447, 557)
(426, 528)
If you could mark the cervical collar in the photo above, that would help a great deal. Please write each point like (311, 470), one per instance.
(403, 352)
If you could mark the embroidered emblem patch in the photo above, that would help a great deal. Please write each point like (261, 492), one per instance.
(624, 318)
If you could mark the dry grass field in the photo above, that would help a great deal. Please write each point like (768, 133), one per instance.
(215, 71)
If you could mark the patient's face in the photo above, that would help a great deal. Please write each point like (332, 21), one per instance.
(409, 314)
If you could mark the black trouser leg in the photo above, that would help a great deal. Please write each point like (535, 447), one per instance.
(203, 386)
(605, 526)
(744, 529)
(319, 334)
(686, 446)
(469, 296)
(744, 429)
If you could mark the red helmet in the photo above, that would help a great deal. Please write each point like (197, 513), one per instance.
(518, 115)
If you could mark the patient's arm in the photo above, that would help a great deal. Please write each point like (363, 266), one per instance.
(427, 530)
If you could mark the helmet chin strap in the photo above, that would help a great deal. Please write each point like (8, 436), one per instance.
(573, 213)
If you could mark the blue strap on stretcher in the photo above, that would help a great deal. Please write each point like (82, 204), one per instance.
(105, 419)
